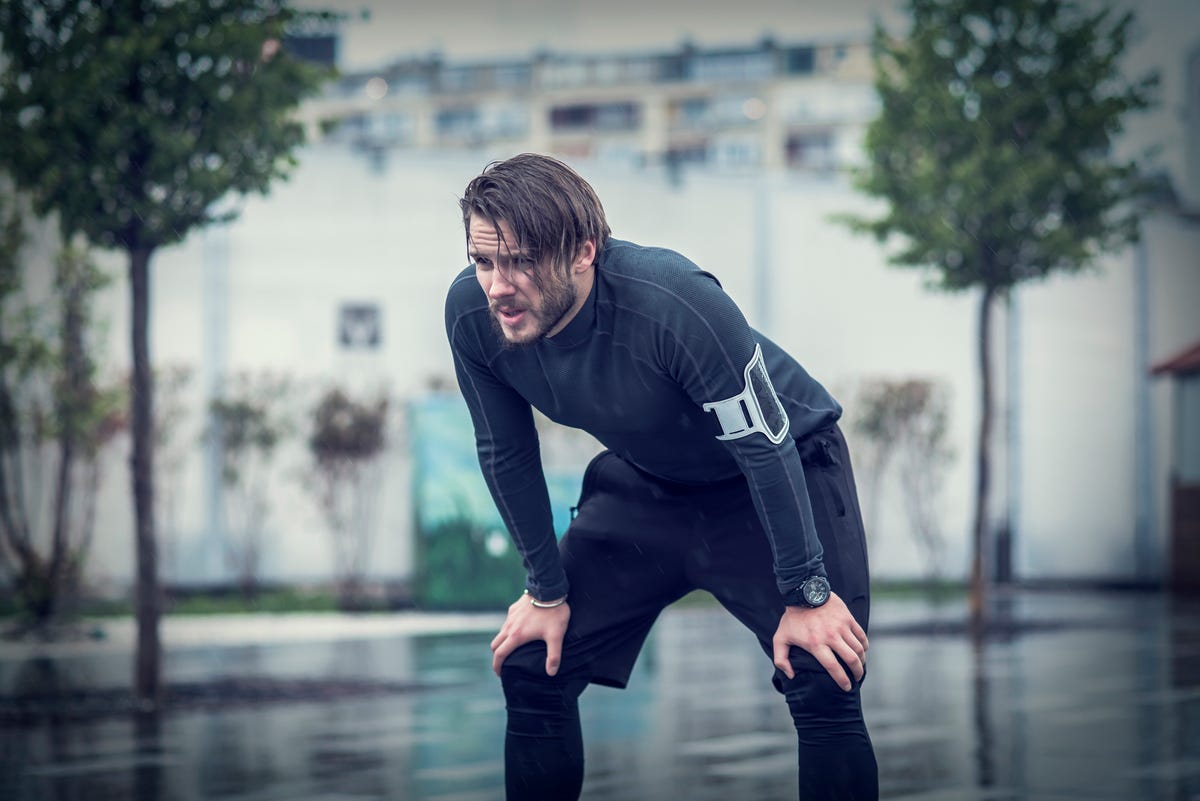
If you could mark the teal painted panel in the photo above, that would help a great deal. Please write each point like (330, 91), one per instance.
(465, 558)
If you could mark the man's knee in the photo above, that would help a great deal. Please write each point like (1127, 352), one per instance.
(821, 711)
(539, 705)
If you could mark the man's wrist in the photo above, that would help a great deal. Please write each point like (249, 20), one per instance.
(545, 604)
(814, 591)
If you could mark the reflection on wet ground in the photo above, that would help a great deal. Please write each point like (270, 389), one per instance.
(1085, 696)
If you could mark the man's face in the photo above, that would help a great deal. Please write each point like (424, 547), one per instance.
(527, 300)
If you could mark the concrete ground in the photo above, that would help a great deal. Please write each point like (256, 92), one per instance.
(1076, 695)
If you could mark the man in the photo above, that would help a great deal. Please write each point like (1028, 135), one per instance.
(724, 471)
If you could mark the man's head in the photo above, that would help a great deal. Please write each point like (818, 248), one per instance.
(534, 230)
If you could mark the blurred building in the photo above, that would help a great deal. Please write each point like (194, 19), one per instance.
(797, 105)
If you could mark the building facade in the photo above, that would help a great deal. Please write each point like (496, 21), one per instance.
(795, 106)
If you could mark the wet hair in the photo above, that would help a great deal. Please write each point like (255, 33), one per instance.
(549, 208)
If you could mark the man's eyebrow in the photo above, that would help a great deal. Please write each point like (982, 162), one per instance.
(474, 253)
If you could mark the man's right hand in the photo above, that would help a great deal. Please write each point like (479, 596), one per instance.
(526, 623)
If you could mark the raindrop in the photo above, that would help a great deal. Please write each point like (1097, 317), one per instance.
(376, 88)
(754, 108)
(495, 543)
(971, 107)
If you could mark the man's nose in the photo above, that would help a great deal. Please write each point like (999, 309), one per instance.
(500, 286)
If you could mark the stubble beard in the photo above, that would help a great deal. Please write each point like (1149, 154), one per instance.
(557, 299)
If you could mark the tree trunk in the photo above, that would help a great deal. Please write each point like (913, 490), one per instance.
(978, 589)
(14, 523)
(70, 407)
(148, 660)
(61, 537)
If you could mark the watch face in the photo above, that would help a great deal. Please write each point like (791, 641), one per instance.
(816, 591)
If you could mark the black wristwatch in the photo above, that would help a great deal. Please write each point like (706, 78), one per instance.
(813, 592)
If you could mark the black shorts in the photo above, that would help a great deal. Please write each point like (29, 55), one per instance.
(639, 544)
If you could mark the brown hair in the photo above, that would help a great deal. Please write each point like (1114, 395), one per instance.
(550, 209)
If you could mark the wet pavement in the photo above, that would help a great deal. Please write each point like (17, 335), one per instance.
(1079, 696)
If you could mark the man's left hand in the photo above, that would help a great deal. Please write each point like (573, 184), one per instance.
(828, 632)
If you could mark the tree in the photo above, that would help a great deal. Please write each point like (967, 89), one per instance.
(170, 455)
(56, 418)
(903, 422)
(131, 120)
(924, 455)
(248, 425)
(347, 440)
(993, 151)
(878, 415)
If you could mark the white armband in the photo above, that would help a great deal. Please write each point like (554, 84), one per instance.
(755, 408)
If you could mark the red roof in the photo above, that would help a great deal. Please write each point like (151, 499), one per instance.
(1186, 361)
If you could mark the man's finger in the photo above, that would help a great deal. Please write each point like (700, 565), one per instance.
(859, 633)
(833, 667)
(553, 655)
(853, 660)
(781, 658)
(500, 654)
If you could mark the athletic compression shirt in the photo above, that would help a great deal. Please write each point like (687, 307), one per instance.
(656, 340)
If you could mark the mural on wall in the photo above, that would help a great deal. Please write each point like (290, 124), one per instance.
(464, 556)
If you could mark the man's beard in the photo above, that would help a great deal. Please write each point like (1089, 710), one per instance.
(557, 299)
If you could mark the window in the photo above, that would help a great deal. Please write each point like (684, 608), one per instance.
(595, 116)
(736, 152)
(557, 74)
(513, 76)
(505, 120)
(461, 79)
(458, 122)
(691, 112)
(799, 60)
(754, 66)
(811, 150)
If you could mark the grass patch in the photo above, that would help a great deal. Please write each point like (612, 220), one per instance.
(916, 589)
(279, 601)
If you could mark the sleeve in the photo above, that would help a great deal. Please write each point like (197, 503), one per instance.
(712, 352)
(509, 456)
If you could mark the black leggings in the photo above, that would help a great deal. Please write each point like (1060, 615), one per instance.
(837, 761)
(543, 746)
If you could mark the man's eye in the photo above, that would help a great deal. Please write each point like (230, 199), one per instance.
(483, 263)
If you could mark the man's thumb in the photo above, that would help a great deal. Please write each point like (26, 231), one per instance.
(781, 658)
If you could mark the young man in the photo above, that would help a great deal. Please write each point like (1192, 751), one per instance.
(724, 471)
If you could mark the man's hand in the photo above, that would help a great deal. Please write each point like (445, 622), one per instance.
(526, 623)
(824, 631)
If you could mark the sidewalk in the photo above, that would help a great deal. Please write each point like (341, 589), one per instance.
(192, 631)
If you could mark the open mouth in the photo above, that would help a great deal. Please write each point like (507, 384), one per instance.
(509, 315)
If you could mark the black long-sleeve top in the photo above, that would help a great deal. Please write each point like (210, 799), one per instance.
(656, 340)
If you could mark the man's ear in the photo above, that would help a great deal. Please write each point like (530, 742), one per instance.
(587, 255)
